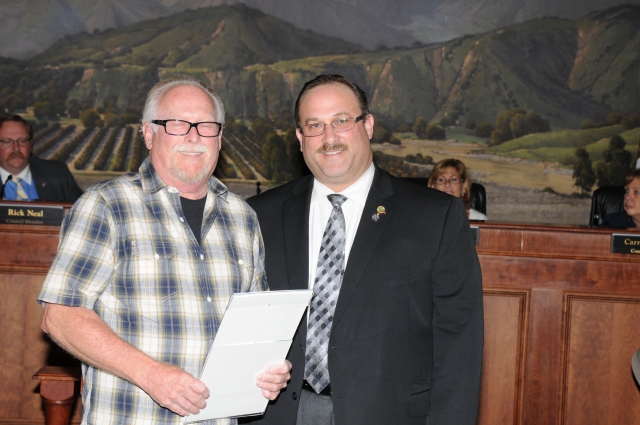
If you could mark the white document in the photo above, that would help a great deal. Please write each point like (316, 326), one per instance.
(256, 332)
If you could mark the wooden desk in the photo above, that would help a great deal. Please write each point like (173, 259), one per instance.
(562, 320)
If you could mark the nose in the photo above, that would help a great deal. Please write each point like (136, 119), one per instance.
(193, 135)
(330, 134)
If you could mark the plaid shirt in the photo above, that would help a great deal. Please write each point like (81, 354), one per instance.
(127, 252)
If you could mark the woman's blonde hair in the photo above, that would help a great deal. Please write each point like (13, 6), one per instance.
(633, 174)
(461, 169)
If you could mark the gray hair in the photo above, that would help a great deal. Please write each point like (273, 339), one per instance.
(159, 90)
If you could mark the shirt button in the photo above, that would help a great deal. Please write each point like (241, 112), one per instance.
(240, 262)
(201, 257)
(209, 299)
(156, 256)
(182, 219)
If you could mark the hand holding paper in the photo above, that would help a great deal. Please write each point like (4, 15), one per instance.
(273, 379)
(175, 389)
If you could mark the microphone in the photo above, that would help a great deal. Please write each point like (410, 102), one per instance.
(4, 184)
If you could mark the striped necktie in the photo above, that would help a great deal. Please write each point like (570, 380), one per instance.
(21, 195)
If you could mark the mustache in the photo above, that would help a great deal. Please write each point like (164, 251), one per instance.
(336, 147)
(190, 148)
(16, 154)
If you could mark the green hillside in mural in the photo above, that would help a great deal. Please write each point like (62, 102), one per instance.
(220, 38)
(566, 71)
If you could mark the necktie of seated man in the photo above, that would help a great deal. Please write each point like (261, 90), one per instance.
(326, 288)
(21, 195)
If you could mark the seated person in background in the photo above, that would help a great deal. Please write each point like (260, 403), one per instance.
(451, 176)
(25, 177)
(631, 215)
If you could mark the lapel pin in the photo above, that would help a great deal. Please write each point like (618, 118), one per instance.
(379, 210)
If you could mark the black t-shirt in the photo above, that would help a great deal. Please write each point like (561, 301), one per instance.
(194, 211)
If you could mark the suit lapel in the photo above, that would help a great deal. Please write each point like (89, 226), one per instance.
(295, 226)
(366, 239)
(39, 181)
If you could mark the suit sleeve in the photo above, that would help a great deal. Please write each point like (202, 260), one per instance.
(458, 324)
(71, 189)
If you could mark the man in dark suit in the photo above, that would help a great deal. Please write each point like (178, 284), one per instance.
(27, 178)
(394, 333)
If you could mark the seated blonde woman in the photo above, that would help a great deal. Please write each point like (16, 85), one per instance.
(451, 176)
(630, 217)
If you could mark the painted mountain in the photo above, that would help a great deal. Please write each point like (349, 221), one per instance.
(566, 70)
(28, 27)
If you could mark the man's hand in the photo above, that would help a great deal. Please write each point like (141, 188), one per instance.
(175, 389)
(273, 379)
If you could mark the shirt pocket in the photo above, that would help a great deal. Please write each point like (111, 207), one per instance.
(153, 268)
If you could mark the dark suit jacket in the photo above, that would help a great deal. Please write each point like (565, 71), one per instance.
(53, 180)
(618, 220)
(407, 337)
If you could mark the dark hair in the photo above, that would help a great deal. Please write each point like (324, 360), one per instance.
(461, 169)
(633, 174)
(332, 79)
(17, 118)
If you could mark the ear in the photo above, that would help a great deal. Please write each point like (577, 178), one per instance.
(147, 133)
(220, 140)
(300, 137)
(368, 125)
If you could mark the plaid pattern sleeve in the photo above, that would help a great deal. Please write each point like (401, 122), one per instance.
(127, 252)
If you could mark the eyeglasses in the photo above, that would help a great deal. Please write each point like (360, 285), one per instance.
(453, 181)
(181, 128)
(9, 142)
(341, 124)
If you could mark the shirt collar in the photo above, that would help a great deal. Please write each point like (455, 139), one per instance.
(24, 175)
(357, 192)
(151, 181)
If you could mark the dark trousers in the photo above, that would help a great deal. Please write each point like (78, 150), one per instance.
(315, 409)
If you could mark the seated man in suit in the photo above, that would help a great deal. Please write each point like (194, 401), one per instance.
(394, 333)
(25, 177)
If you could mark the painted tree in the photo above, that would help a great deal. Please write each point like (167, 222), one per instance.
(274, 153)
(420, 127)
(583, 171)
(612, 170)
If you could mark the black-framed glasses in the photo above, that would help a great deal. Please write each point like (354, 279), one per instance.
(9, 142)
(181, 128)
(341, 124)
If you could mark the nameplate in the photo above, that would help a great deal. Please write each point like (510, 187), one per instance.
(31, 213)
(625, 244)
(475, 234)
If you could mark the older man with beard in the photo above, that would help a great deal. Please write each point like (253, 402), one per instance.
(26, 177)
(146, 265)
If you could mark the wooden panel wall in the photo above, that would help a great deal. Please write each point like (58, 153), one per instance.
(562, 320)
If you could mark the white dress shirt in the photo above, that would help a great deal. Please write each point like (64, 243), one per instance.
(24, 175)
(320, 211)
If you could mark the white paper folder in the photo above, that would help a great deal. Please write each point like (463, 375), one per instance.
(256, 332)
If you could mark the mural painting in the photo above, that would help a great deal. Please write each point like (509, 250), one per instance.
(541, 102)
